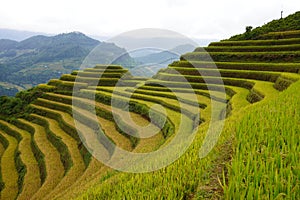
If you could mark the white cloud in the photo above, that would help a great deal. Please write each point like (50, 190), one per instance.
(194, 18)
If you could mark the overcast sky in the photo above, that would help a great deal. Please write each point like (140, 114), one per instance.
(193, 18)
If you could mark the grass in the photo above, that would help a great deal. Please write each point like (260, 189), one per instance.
(78, 165)
(256, 156)
(218, 96)
(281, 56)
(8, 168)
(174, 117)
(174, 182)
(110, 66)
(92, 174)
(97, 75)
(281, 35)
(268, 166)
(66, 85)
(246, 74)
(256, 66)
(182, 97)
(31, 182)
(91, 80)
(20, 166)
(54, 167)
(256, 42)
(84, 108)
(169, 103)
(291, 47)
(166, 182)
(105, 71)
(52, 137)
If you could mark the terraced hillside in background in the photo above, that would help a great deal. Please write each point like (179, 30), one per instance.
(255, 82)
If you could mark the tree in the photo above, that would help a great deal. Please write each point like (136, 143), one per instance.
(249, 29)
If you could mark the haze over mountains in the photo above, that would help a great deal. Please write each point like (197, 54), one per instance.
(40, 58)
(30, 58)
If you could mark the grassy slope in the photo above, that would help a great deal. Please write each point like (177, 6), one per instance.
(8, 169)
(54, 167)
(268, 166)
(256, 155)
(292, 22)
(32, 180)
(175, 182)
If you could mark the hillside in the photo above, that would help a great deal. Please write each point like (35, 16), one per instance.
(51, 135)
(39, 58)
(291, 22)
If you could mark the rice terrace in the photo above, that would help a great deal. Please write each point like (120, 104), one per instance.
(50, 140)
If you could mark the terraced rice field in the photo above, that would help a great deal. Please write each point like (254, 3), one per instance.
(255, 85)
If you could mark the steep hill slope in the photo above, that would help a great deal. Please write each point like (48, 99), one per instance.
(291, 22)
(60, 125)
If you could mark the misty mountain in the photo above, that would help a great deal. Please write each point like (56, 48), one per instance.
(40, 58)
(149, 64)
(17, 35)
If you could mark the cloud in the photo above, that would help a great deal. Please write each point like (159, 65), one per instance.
(193, 18)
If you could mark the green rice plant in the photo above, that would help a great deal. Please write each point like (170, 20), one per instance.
(207, 80)
(88, 80)
(266, 151)
(9, 172)
(54, 169)
(258, 66)
(46, 88)
(66, 85)
(273, 57)
(215, 95)
(4, 144)
(78, 165)
(169, 96)
(53, 138)
(282, 83)
(86, 105)
(200, 86)
(134, 106)
(97, 75)
(129, 83)
(109, 66)
(171, 104)
(66, 123)
(256, 42)
(242, 74)
(38, 154)
(281, 35)
(20, 166)
(30, 173)
(291, 47)
(94, 70)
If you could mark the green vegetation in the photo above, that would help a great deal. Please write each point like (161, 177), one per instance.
(291, 22)
(268, 166)
(49, 133)
(40, 58)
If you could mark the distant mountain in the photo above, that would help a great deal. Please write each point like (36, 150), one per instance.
(40, 58)
(6, 44)
(151, 63)
(17, 35)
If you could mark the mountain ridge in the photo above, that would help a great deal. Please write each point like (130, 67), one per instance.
(39, 58)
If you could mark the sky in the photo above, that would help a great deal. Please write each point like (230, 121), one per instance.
(199, 19)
